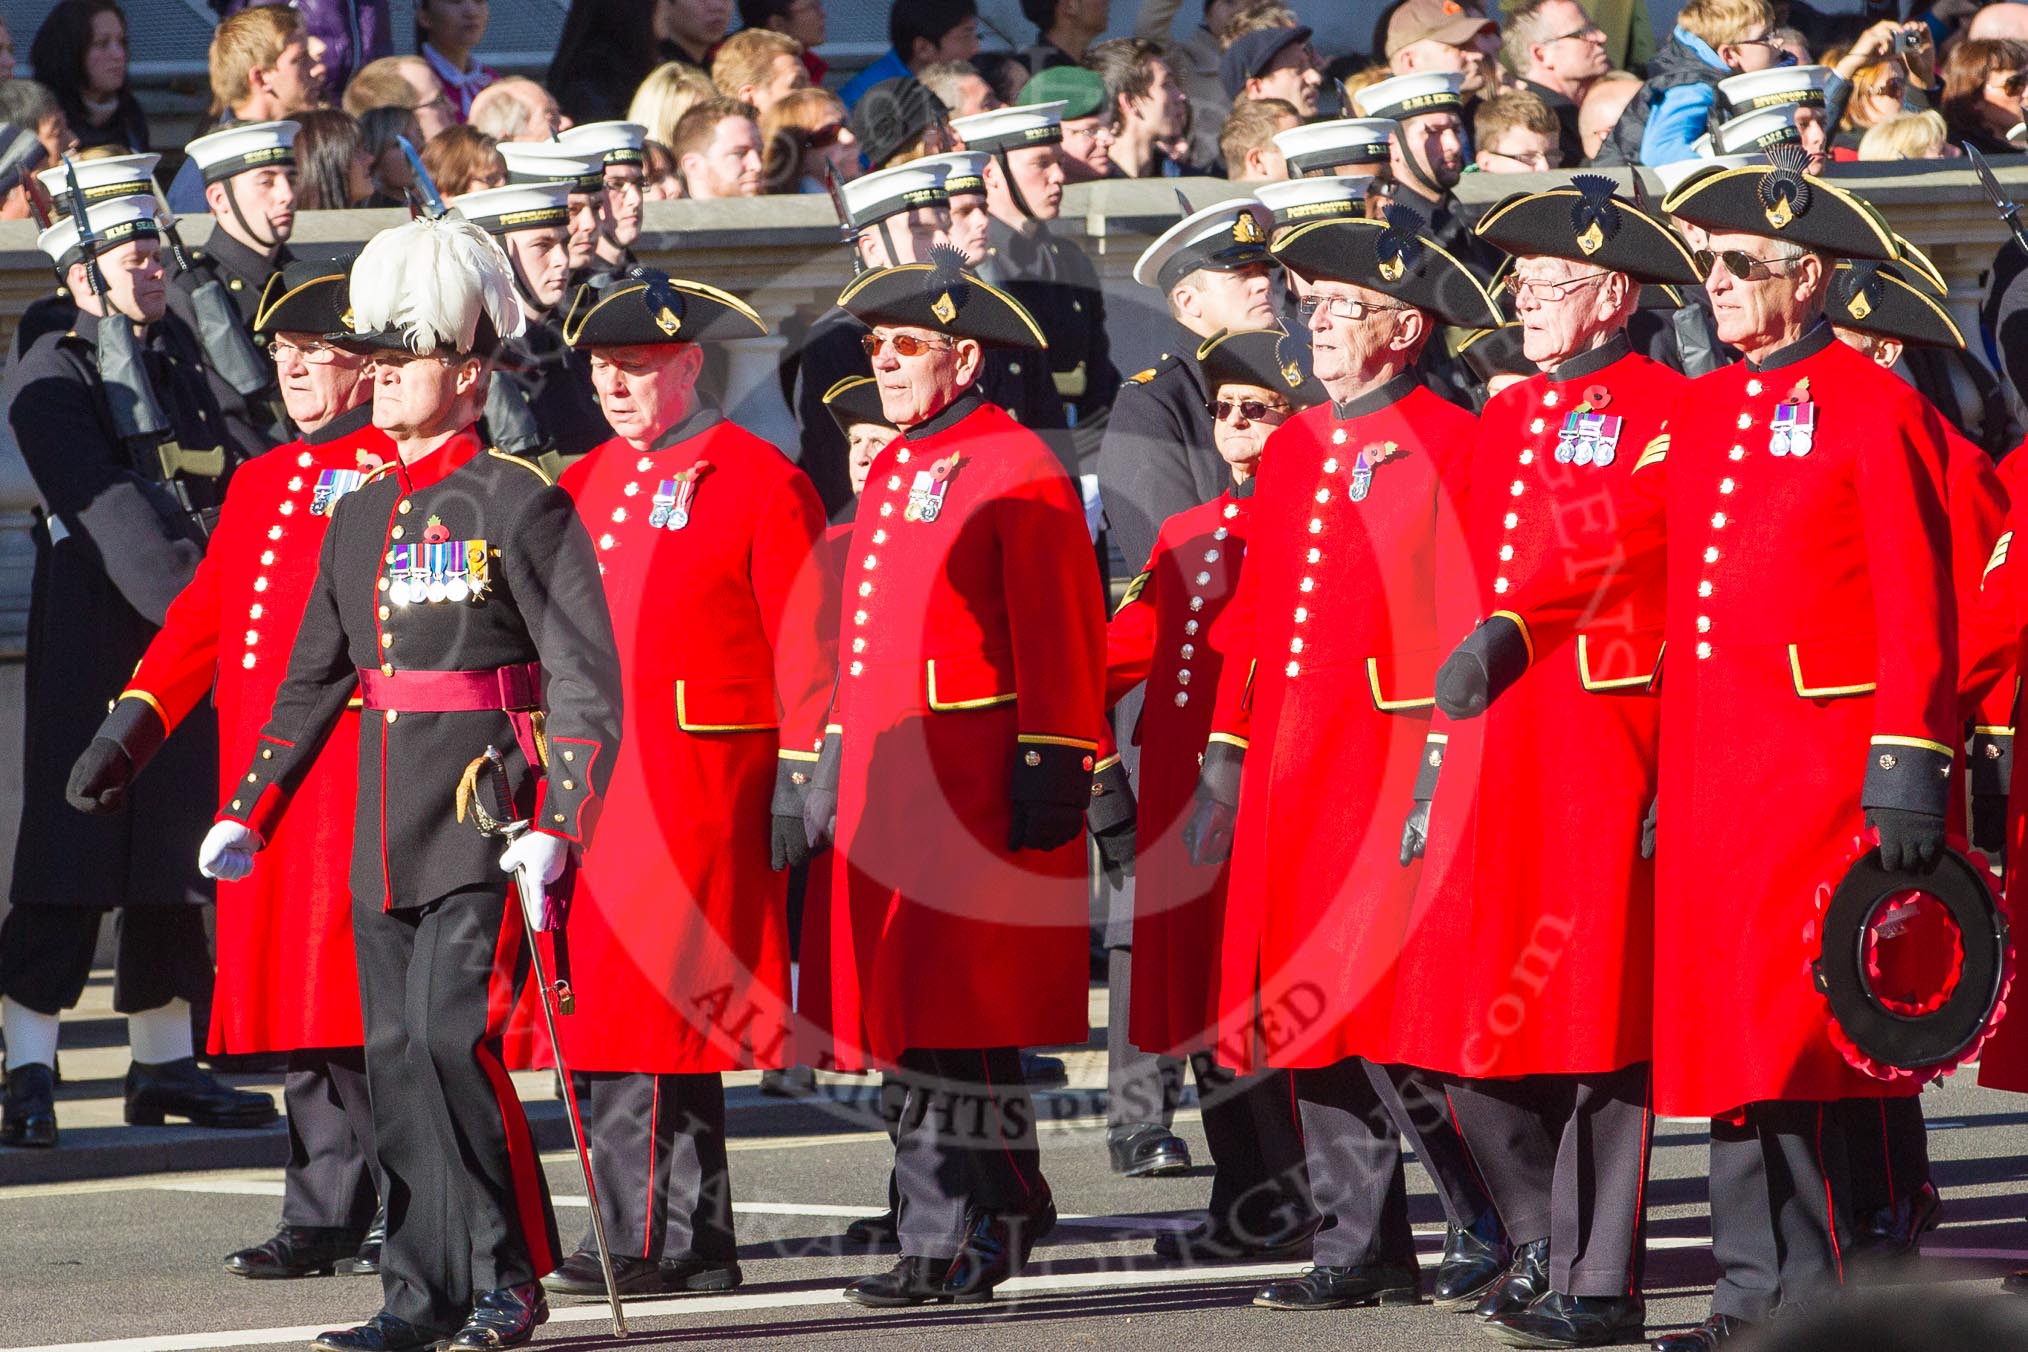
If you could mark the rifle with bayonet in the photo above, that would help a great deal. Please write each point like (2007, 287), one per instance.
(2009, 211)
(227, 344)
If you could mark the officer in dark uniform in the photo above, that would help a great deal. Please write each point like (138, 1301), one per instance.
(250, 185)
(99, 180)
(459, 598)
(1049, 274)
(540, 401)
(117, 537)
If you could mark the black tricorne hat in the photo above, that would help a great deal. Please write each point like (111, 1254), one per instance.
(1783, 202)
(1587, 222)
(645, 306)
(1390, 256)
(942, 297)
(306, 296)
(856, 399)
(1875, 298)
(1270, 358)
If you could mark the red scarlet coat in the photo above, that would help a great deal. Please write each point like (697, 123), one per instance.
(963, 640)
(679, 927)
(1170, 632)
(1531, 947)
(1812, 656)
(286, 974)
(1328, 681)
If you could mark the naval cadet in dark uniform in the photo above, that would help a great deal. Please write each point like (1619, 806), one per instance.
(620, 149)
(1047, 273)
(459, 598)
(541, 398)
(250, 185)
(1429, 156)
(115, 540)
(99, 180)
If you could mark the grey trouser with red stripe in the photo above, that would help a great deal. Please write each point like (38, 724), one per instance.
(658, 1157)
(467, 1208)
(1565, 1158)
(1778, 1206)
(966, 1142)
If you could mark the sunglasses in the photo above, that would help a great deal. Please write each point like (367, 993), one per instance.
(905, 345)
(1253, 410)
(1741, 265)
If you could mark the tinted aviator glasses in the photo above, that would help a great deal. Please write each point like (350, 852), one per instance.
(1253, 410)
(1742, 265)
(905, 344)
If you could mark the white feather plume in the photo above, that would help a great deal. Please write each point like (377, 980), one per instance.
(432, 280)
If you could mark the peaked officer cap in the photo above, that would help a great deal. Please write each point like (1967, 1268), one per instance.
(1222, 237)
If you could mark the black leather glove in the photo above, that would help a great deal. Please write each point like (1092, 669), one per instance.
(1208, 833)
(1116, 854)
(788, 838)
(1113, 819)
(1911, 841)
(1648, 830)
(1049, 795)
(1492, 657)
(99, 780)
(820, 796)
(1415, 833)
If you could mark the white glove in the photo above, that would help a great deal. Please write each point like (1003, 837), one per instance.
(227, 852)
(543, 855)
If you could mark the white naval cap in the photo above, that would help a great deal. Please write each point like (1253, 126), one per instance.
(1293, 201)
(964, 170)
(518, 206)
(249, 145)
(889, 192)
(1405, 96)
(1678, 172)
(612, 142)
(1221, 237)
(107, 177)
(1321, 147)
(1760, 130)
(114, 221)
(553, 162)
(1023, 124)
(1775, 87)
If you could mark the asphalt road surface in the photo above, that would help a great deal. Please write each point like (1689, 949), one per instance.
(133, 1264)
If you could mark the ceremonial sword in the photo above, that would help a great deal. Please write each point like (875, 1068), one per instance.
(534, 919)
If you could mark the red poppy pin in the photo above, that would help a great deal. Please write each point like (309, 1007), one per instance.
(436, 532)
(1597, 397)
(1799, 393)
(943, 469)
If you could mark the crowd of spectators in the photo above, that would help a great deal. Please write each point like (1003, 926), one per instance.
(736, 100)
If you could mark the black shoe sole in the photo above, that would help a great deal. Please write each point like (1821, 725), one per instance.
(650, 1285)
(1168, 1164)
(24, 1141)
(1394, 1295)
(704, 1283)
(147, 1116)
(280, 1274)
(355, 1267)
(1514, 1337)
(1470, 1299)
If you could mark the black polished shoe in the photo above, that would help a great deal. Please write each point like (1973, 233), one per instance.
(1558, 1320)
(1034, 1223)
(182, 1089)
(581, 1275)
(1715, 1330)
(382, 1333)
(366, 1261)
(1474, 1258)
(1219, 1242)
(1043, 1072)
(29, 1117)
(996, 1248)
(911, 1281)
(506, 1317)
(1524, 1282)
(1895, 1230)
(1337, 1288)
(1149, 1152)
(874, 1232)
(295, 1251)
(688, 1276)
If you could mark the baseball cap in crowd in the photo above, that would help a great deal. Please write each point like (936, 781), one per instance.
(1252, 53)
(1446, 21)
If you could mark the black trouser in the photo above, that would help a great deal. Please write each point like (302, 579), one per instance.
(160, 954)
(333, 1178)
(965, 1143)
(1354, 1156)
(1261, 1187)
(467, 1208)
(1141, 1087)
(1565, 1158)
(1777, 1207)
(1418, 1102)
(658, 1157)
(1887, 1147)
